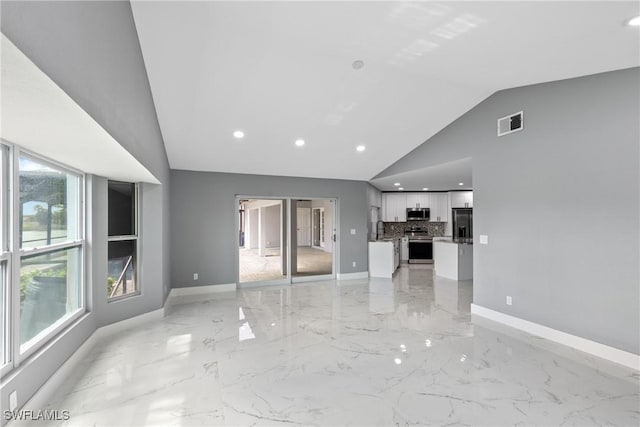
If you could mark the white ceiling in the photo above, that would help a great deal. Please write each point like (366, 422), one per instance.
(41, 117)
(446, 176)
(283, 70)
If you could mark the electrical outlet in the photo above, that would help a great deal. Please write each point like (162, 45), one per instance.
(353, 231)
(13, 400)
(354, 263)
(509, 300)
(195, 276)
(484, 239)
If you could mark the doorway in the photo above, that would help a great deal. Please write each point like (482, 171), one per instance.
(285, 240)
(262, 253)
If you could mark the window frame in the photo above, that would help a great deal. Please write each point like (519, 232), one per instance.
(135, 237)
(5, 257)
(20, 352)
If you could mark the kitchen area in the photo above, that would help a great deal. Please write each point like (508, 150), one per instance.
(433, 228)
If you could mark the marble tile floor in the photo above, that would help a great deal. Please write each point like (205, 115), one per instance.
(372, 352)
(255, 268)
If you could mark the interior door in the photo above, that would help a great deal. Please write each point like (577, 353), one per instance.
(317, 232)
(304, 226)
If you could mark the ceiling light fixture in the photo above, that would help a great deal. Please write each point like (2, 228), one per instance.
(238, 134)
(424, 189)
(400, 188)
(461, 183)
(634, 22)
(357, 64)
(299, 142)
(361, 148)
(397, 184)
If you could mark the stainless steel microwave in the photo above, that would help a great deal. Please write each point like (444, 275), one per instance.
(418, 214)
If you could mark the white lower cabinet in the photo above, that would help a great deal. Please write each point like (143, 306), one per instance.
(384, 258)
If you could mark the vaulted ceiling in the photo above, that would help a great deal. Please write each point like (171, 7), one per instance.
(282, 71)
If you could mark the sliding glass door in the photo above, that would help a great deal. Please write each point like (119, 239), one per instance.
(285, 240)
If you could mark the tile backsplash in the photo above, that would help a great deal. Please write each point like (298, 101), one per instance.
(397, 229)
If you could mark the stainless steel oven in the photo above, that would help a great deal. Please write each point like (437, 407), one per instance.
(420, 246)
(420, 251)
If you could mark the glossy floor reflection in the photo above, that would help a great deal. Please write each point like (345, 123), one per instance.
(371, 352)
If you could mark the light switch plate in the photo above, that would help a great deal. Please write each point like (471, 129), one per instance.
(195, 276)
(484, 239)
(353, 231)
(13, 400)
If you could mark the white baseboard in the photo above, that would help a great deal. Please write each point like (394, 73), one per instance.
(207, 289)
(603, 351)
(353, 276)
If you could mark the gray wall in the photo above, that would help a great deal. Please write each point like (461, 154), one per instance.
(559, 202)
(203, 220)
(91, 50)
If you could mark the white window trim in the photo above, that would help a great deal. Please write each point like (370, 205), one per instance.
(19, 353)
(8, 337)
(5, 257)
(136, 237)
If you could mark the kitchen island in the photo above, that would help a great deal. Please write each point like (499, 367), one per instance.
(453, 259)
(384, 257)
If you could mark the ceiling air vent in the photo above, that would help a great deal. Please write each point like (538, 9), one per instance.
(511, 123)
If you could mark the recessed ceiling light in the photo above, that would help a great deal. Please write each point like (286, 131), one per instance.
(361, 148)
(400, 188)
(357, 64)
(461, 183)
(634, 22)
(238, 134)
(397, 184)
(424, 189)
(299, 142)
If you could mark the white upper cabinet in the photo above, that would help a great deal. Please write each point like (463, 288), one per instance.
(394, 207)
(439, 207)
(461, 199)
(417, 200)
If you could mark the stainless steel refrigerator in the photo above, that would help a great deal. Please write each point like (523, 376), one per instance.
(462, 223)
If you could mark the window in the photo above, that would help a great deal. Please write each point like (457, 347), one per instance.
(50, 290)
(50, 246)
(123, 240)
